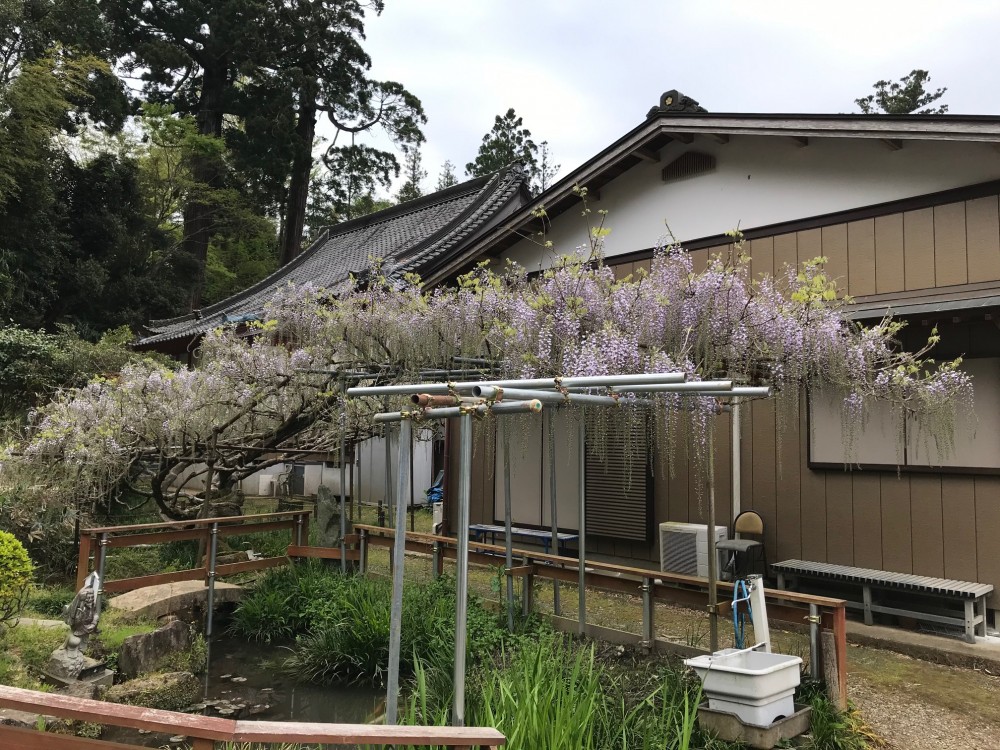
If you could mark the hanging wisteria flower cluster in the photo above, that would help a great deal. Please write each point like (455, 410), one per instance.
(252, 395)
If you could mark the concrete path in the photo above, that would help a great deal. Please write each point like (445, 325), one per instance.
(167, 598)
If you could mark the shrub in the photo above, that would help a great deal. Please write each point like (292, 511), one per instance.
(16, 572)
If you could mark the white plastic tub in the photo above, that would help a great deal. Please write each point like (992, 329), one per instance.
(758, 687)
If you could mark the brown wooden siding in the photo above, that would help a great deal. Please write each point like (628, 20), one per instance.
(941, 525)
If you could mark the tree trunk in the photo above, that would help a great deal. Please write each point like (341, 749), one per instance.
(298, 191)
(207, 173)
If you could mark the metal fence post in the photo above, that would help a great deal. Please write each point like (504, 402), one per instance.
(648, 625)
(102, 552)
(528, 589)
(462, 565)
(213, 549)
(815, 665)
(436, 560)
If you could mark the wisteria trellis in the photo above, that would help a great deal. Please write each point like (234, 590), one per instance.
(250, 397)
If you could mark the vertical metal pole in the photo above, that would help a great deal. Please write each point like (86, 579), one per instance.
(399, 550)
(815, 663)
(413, 521)
(462, 564)
(387, 493)
(582, 544)
(102, 551)
(552, 505)
(343, 496)
(213, 549)
(735, 412)
(508, 542)
(758, 607)
(436, 560)
(648, 625)
(713, 593)
(298, 529)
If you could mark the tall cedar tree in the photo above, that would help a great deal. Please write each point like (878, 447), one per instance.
(907, 96)
(274, 66)
(507, 142)
(413, 170)
(447, 177)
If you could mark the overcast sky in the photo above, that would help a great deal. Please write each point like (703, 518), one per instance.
(583, 73)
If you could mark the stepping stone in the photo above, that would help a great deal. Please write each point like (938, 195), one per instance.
(167, 598)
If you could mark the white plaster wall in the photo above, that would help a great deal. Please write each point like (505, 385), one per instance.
(759, 181)
(369, 473)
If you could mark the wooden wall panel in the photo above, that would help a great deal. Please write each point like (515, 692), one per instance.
(723, 471)
(987, 491)
(839, 518)
(621, 270)
(951, 264)
(762, 256)
(786, 253)
(677, 485)
(835, 251)
(764, 456)
(861, 257)
(867, 512)
(926, 532)
(699, 259)
(645, 265)
(809, 244)
(982, 222)
(788, 492)
(959, 527)
(897, 546)
(812, 485)
(918, 248)
(890, 268)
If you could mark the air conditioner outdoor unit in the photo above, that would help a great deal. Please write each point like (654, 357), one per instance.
(684, 547)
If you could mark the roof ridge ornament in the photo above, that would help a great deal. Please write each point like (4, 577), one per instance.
(674, 102)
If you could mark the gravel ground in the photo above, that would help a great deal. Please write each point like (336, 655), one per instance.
(907, 722)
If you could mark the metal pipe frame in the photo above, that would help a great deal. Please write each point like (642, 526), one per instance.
(500, 395)
(508, 523)
(399, 554)
(462, 566)
(582, 542)
(343, 497)
(736, 462)
(448, 412)
(553, 505)
(595, 381)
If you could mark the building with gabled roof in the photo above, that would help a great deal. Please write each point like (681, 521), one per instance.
(417, 236)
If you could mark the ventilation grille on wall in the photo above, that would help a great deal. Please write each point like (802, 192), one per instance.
(688, 164)
(619, 489)
(684, 547)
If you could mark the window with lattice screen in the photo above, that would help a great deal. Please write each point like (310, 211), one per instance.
(619, 488)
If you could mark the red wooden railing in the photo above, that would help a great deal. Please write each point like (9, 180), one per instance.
(204, 731)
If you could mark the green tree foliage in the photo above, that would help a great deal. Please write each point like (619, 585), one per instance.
(415, 173)
(546, 172)
(903, 97)
(447, 177)
(35, 364)
(507, 142)
(16, 573)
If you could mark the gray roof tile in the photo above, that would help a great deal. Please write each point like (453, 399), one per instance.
(406, 237)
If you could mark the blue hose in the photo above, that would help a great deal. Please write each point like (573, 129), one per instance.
(741, 594)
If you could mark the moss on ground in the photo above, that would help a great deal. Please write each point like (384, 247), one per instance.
(169, 691)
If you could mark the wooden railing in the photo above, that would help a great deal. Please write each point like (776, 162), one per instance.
(204, 731)
(95, 543)
(650, 585)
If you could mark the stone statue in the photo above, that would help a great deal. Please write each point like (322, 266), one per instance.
(82, 615)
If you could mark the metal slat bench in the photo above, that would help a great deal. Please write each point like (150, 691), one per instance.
(972, 595)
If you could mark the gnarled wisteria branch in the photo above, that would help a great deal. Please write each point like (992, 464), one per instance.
(262, 394)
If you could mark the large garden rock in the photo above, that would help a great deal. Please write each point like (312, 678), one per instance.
(169, 691)
(143, 652)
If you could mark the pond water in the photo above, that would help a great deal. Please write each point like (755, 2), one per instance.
(245, 681)
(249, 675)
